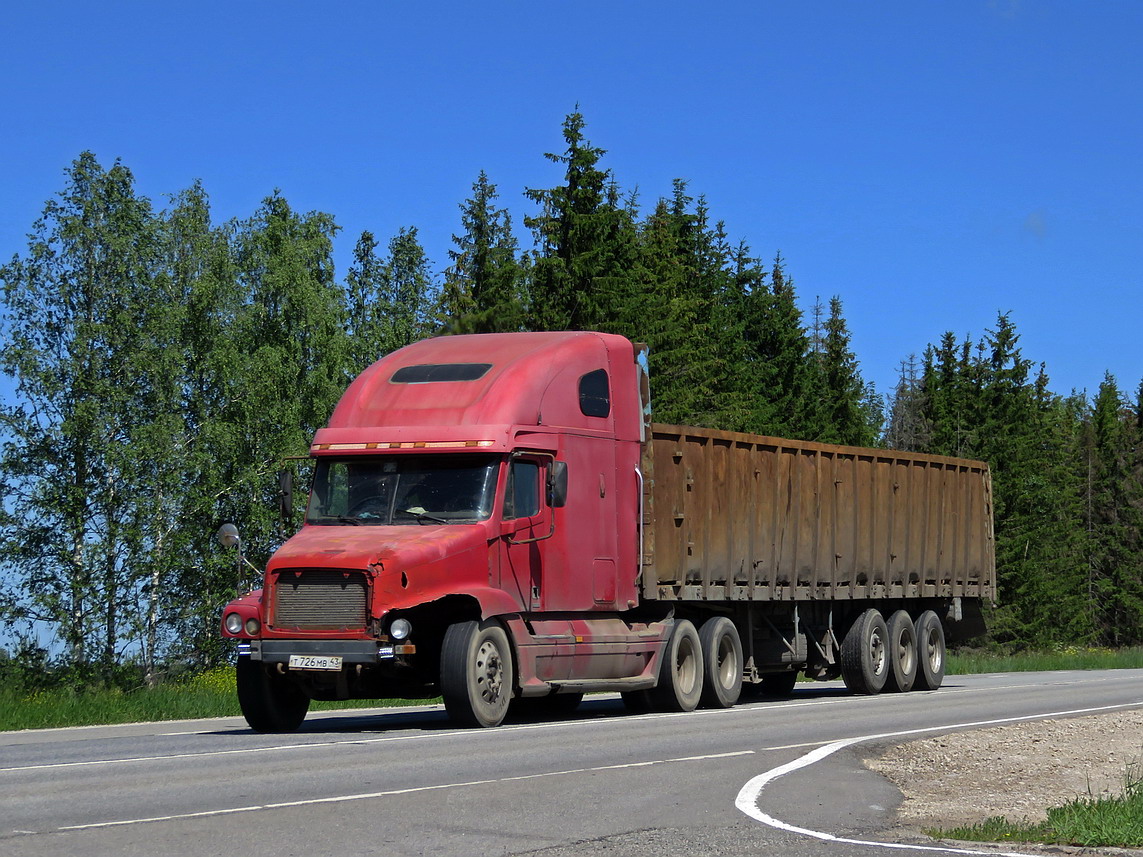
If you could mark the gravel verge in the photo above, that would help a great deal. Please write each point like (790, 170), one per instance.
(1019, 770)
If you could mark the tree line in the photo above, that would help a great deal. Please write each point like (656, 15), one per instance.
(165, 365)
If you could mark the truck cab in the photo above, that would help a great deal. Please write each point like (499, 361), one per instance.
(472, 530)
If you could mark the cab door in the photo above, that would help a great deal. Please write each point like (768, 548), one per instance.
(525, 529)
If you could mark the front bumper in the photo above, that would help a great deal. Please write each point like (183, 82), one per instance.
(350, 651)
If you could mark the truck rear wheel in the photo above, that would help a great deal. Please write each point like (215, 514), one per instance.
(865, 655)
(269, 702)
(476, 673)
(902, 653)
(931, 651)
(680, 671)
(721, 662)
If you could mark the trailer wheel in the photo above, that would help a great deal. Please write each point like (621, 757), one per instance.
(721, 662)
(476, 673)
(865, 655)
(680, 671)
(931, 650)
(902, 653)
(269, 702)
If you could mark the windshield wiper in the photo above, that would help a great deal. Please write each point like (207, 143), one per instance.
(423, 516)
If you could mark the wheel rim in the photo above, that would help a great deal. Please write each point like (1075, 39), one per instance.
(489, 672)
(905, 655)
(876, 653)
(933, 651)
(686, 667)
(727, 666)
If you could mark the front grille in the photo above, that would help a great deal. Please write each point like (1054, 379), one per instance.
(320, 600)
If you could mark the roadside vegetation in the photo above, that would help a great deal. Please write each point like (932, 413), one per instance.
(208, 694)
(1089, 822)
(970, 661)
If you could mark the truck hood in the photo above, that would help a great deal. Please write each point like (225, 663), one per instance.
(394, 547)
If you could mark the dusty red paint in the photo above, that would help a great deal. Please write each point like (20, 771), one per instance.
(528, 400)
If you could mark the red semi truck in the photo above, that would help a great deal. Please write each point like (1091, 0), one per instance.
(496, 518)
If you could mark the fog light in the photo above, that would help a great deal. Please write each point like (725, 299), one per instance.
(400, 629)
(233, 623)
(253, 626)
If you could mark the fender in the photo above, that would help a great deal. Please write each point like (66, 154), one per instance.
(248, 606)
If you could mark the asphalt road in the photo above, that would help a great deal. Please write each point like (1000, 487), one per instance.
(760, 778)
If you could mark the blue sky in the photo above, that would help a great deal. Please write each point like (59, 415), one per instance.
(931, 163)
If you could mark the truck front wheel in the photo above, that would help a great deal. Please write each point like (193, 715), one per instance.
(680, 671)
(476, 673)
(269, 702)
(722, 663)
(865, 654)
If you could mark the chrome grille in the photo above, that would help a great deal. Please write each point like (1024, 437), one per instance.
(320, 600)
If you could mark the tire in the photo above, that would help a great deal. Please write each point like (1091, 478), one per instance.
(902, 653)
(269, 702)
(778, 685)
(930, 652)
(721, 663)
(476, 673)
(865, 655)
(680, 671)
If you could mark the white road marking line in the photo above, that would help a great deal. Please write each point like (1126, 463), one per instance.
(411, 790)
(748, 796)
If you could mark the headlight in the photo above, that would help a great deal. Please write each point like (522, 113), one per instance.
(400, 629)
(253, 626)
(233, 623)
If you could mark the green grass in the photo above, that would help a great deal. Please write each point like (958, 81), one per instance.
(1064, 658)
(1112, 821)
(210, 694)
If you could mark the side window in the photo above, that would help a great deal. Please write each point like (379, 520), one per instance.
(595, 394)
(523, 497)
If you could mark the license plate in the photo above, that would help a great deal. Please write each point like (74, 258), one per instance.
(315, 662)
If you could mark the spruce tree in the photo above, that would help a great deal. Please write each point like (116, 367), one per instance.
(1116, 519)
(482, 290)
(583, 236)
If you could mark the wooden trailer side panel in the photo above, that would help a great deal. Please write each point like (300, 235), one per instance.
(731, 517)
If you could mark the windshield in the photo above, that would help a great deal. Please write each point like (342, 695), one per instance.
(403, 489)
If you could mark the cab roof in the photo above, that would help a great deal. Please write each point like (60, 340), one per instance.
(501, 379)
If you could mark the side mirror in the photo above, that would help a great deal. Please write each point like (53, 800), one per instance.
(558, 484)
(227, 536)
(286, 493)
